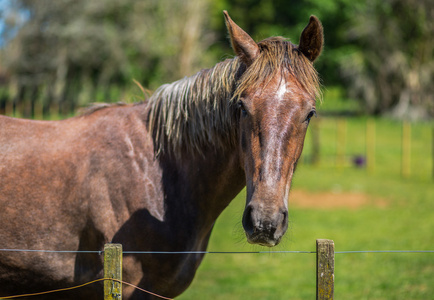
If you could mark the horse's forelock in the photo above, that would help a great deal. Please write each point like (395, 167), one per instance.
(279, 54)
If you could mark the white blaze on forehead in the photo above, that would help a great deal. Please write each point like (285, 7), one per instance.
(281, 91)
(281, 96)
(274, 135)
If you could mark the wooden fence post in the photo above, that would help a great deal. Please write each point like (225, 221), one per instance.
(315, 159)
(112, 269)
(341, 142)
(370, 145)
(432, 150)
(406, 149)
(325, 269)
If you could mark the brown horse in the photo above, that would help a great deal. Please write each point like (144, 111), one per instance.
(156, 175)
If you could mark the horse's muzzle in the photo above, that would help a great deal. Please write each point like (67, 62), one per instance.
(263, 227)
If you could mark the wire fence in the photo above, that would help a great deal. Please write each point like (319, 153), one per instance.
(326, 292)
(100, 252)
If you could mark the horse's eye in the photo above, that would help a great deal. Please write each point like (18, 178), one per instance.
(310, 115)
(242, 108)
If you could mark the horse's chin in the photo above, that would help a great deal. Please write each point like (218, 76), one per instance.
(263, 241)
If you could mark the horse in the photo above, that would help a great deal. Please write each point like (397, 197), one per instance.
(155, 175)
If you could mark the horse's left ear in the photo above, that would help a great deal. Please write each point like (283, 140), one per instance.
(244, 46)
(312, 39)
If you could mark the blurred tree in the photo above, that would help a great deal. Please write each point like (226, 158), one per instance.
(392, 69)
(75, 48)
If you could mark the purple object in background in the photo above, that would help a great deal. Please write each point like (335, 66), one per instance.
(359, 161)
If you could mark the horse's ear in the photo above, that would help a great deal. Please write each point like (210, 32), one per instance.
(312, 39)
(244, 46)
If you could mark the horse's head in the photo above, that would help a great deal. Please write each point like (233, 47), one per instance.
(276, 98)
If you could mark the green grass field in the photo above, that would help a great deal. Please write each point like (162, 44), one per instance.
(397, 214)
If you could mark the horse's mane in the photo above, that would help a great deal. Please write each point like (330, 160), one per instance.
(198, 111)
(191, 113)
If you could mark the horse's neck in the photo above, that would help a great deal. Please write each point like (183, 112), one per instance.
(193, 123)
(205, 185)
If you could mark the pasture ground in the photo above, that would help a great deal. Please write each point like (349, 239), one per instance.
(389, 219)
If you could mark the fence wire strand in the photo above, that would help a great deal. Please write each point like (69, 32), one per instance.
(217, 252)
(384, 251)
(51, 251)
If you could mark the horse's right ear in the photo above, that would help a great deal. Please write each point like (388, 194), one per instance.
(312, 39)
(244, 46)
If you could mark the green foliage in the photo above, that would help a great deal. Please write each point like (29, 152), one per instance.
(377, 52)
(76, 48)
(391, 68)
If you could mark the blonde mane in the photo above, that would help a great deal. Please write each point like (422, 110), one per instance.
(199, 112)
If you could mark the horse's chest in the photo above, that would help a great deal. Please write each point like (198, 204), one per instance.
(174, 273)
(168, 274)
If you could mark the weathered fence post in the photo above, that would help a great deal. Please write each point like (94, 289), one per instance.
(370, 145)
(112, 269)
(340, 142)
(314, 130)
(325, 269)
(406, 149)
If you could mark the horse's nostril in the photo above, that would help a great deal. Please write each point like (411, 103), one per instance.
(284, 221)
(248, 221)
(285, 218)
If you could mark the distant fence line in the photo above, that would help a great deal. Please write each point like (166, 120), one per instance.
(367, 156)
(44, 101)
